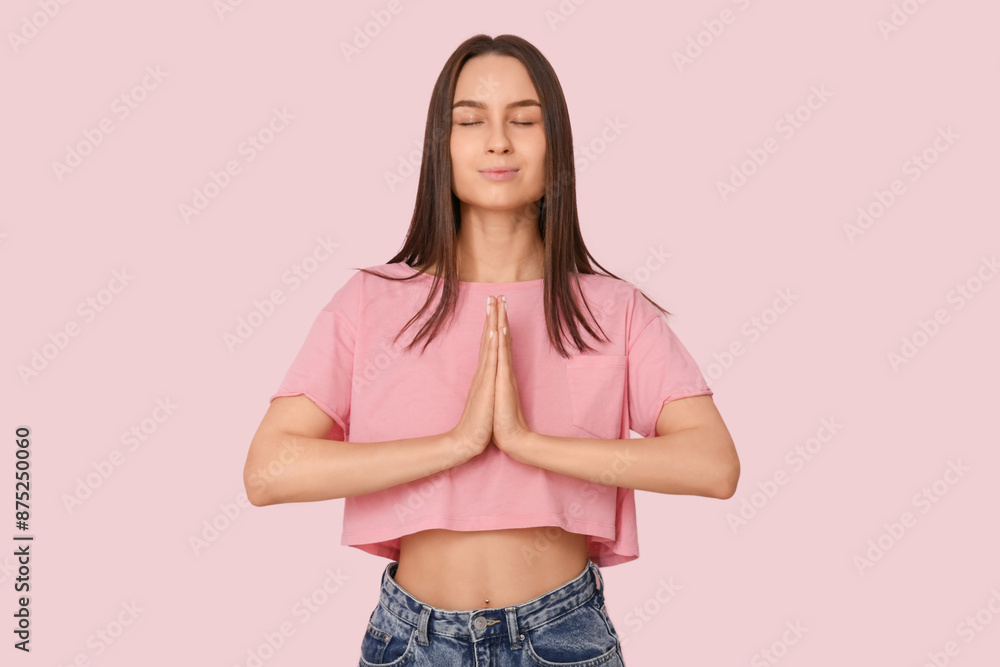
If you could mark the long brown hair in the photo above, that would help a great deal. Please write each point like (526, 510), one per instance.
(433, 233)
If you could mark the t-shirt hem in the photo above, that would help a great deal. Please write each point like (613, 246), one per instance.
(684, 393)
(380, 534)
(626, 553)
(374, 541)
(315, 399)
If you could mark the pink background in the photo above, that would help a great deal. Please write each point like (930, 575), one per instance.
(653, 188)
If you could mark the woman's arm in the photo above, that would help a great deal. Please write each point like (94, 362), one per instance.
(692, 454)
(290, 460)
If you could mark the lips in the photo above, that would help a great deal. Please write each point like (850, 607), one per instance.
(498, 173)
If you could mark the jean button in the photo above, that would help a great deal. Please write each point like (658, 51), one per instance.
(480, 623)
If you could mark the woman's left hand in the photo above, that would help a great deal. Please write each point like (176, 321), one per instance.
(509, 426)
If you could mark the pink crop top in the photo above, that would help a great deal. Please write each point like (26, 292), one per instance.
(374, 391)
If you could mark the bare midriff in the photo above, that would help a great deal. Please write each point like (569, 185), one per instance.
(461, 570)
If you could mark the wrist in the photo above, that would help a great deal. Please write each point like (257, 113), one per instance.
(523, 445)
(459, 448)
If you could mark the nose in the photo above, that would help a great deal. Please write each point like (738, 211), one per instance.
(498, 141)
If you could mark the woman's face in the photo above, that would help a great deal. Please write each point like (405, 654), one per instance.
(497, 122)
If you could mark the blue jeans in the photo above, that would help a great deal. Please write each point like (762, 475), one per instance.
(566, 627)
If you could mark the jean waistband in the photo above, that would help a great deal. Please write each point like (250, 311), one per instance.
(525, 616)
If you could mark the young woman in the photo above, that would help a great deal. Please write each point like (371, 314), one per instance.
(486, 453)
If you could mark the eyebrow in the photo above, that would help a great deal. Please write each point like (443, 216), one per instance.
(479, 105)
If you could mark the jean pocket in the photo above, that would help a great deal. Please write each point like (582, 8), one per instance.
(387, 642)
(579, 638)
(597, 393)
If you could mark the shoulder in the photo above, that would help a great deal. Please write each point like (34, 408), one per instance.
(361, 284)
(368, 292)
(603, 286)
(617, 297)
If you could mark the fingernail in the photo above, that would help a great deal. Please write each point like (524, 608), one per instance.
(487, 305)
(505, 331)
(491, 335)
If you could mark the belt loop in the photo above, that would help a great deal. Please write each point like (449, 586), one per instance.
(512, 628)
(425, 617)
(598, 575)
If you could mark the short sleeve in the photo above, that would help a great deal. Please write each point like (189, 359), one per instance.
(324, 366)
(660, 369)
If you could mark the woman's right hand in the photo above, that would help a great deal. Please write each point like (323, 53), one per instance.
(474, 431)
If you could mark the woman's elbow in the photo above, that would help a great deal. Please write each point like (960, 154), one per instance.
(729, 475)
(254, 490)
(255, 483)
